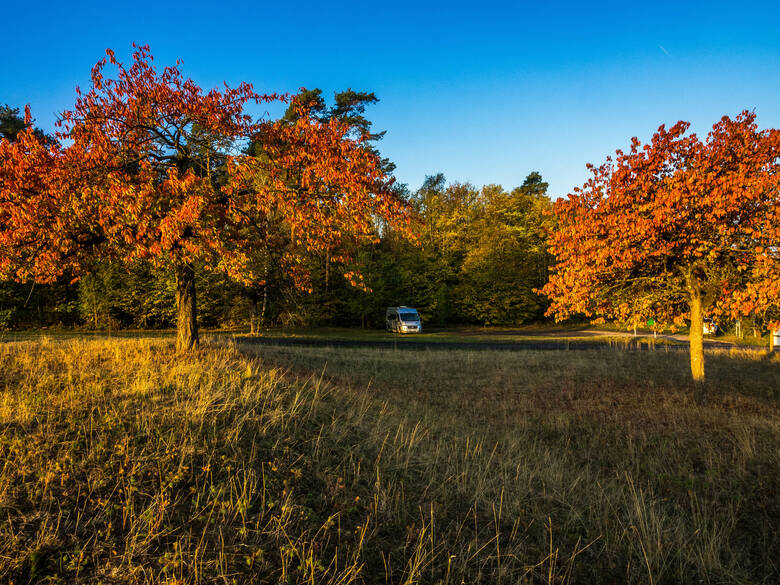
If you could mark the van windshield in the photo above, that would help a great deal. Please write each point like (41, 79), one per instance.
(408, 316)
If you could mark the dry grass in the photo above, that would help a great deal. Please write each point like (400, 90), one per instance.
(122, 463)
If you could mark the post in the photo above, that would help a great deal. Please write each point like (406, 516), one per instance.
(186, 309)
(252, 314)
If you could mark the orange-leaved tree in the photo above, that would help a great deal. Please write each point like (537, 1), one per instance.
(674, 230)
(148, 166)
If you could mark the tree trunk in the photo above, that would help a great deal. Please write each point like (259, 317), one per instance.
(186, 309)
(252, 315)
(266, 268)
(327, 270)
(264, 306)
(697, 338)
(697, 343)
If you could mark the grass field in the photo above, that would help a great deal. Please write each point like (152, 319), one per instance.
(535, 333)
(465, 334)
(121, 462)
(608, 334)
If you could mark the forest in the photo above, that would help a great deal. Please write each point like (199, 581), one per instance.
(481, 253)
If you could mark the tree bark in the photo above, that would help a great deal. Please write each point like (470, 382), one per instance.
(264, 306)
(327, 270)
(186, 309)
(697, 344)
(266, 269)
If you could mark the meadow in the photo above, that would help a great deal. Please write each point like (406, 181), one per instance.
(123, 462)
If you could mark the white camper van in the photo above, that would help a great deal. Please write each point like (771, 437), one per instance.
(403, 320)
(710, 327)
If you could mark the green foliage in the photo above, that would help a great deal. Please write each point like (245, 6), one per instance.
(27, 305)
(482, 253)
(508, 258)
(142, 296)
(11, 123)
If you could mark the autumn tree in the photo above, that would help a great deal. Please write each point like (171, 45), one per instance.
(673, 230)
(348, 110)
(149, 167)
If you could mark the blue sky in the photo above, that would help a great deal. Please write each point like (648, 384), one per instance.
(483, 93)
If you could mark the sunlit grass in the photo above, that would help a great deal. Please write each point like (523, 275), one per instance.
(122, 462)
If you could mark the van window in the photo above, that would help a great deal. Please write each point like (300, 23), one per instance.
(409, 316)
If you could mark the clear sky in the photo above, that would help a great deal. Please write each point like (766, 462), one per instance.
(483, 92)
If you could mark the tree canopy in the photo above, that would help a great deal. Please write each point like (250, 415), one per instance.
(11, 122)
(674, 230)
(148, 166)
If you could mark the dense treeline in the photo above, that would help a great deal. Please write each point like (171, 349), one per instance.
(480, 254)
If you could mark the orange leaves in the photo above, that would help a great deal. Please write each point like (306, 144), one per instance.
(325, 186)
(634, 234)
(33, 232)
(148, 167)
